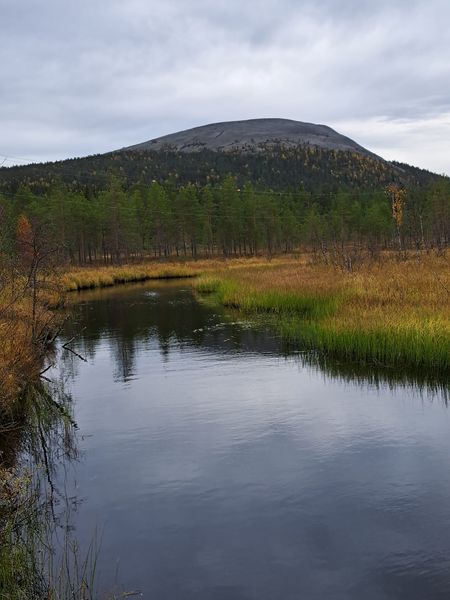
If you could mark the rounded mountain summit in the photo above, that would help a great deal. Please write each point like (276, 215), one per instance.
(253, 135)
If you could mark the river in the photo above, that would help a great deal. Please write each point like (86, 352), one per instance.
(215, 465)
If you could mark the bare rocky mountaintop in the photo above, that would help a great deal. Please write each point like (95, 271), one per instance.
(253, 135)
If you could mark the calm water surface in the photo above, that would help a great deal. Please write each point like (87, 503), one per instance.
(214, 467)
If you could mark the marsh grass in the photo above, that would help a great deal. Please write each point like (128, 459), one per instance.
(80, 279)
(391, 313)
(105, 276)
(96, 278)
(421, 347)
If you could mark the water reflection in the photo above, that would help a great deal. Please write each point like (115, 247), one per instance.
(40, 557)
(219, 465)
(131, 318)
(134, 317)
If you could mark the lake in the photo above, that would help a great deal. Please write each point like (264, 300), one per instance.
(216, 465)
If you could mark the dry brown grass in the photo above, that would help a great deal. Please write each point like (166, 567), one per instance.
(22, 346)
(104, 276)
(395, 311)
(20, 361)
(404, 290)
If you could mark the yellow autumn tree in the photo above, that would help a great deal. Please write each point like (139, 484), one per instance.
(397, 197)
(24, 240)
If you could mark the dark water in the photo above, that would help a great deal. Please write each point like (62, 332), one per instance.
(214, 467)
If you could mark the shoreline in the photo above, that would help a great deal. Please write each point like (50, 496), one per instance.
(391, 313)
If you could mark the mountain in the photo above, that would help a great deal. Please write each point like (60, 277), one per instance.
(277, 154)
(253, 135)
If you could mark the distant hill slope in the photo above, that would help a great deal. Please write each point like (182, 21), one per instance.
(254, 135)
(278, 154)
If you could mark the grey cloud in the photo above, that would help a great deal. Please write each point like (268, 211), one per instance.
(90, 76)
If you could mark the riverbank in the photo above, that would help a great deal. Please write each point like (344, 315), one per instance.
(77, 279)
(98, 277)
(27, 329)
(391, 313)
(28, 418)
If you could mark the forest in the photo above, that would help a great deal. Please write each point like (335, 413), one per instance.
(278, 168)
(120, 224)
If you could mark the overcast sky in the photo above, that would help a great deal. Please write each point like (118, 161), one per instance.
(88, 76)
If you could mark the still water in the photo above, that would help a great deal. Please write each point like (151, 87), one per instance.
(215, 466)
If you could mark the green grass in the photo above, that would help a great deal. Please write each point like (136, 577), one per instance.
(229, 293)
(390, 347)
(312, 321)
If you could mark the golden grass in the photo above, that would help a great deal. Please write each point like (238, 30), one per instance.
(392, 312)
(94, 277)
(105, 276)
(20, 358)
(22, 342)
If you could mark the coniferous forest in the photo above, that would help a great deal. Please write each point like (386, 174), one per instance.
(128, 222)
(268, 166)
(129, 204)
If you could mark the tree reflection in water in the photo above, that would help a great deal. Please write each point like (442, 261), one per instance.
(39, 554)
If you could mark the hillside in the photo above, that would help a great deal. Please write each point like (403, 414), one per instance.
(278, 154)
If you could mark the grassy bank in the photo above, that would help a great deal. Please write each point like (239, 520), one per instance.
(83, 278)
(391, 313)
(27, 328)
(97, 277)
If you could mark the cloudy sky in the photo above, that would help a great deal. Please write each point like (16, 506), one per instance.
(87, 76)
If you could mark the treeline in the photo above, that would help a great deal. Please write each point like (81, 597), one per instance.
(273, 167)
(120, 224)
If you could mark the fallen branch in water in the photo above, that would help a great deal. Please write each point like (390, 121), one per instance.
(66, 347)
